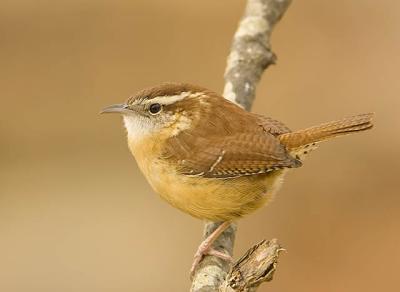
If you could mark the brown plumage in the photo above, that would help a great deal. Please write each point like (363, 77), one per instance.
(210, 158)
(326, 131)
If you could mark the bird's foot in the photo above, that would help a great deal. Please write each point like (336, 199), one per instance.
(203, 251)
(205, 248)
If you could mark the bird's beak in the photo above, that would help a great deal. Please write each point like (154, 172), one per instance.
(120, 108)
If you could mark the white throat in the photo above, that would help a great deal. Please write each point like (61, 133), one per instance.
(137, 127)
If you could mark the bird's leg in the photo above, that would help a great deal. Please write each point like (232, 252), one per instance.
(205, 247)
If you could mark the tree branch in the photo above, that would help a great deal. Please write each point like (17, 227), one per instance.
(255, 267)
(250, 55)
(251, 50)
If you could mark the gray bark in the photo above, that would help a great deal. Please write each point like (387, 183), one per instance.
(251, 50)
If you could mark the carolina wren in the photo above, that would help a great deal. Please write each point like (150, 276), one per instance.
(210, 158)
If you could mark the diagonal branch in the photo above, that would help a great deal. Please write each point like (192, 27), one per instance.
(251, 50)
(250, 55)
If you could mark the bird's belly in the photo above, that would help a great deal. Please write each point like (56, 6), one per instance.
(210, 198)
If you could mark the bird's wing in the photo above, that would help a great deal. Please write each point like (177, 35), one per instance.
(230, 156)
(270, 125)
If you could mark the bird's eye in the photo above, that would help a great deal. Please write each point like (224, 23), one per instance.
(155, 108)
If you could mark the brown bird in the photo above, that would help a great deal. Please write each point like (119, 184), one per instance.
(210, 158)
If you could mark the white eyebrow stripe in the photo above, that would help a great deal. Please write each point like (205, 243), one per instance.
(169, 99)
(197, 94)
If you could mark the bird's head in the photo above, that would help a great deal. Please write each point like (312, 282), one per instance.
(166, 108)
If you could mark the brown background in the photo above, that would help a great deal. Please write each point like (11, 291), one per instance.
(76, 214)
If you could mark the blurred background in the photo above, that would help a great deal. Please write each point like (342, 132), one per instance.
(76, 214)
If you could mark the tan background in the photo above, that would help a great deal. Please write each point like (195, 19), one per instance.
(76, 214)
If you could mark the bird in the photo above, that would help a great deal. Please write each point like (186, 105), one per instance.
(210, 158)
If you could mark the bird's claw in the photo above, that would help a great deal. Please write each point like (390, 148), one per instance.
(203, 251)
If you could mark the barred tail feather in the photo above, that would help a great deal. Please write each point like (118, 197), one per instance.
(313, 135)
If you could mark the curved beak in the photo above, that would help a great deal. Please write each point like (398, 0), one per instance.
(116, 108)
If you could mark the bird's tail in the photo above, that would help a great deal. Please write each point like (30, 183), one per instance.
(309, 137)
